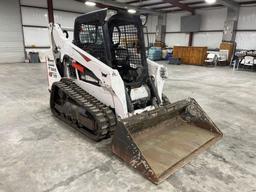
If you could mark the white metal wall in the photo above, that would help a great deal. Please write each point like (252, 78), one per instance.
(174, 36)
(151, 23)
(36, 37)
(210, 39)
(176, 39)
(39, 3)
(75, 6)
(151, 26)
(210, 35)
(35, 22)
(211, 29)
(247, 21)
(11, 39)
(212, 21)
(67, 5)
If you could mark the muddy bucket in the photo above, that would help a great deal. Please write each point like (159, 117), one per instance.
(159, 142)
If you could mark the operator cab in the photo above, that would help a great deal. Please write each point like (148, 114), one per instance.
(117, 41)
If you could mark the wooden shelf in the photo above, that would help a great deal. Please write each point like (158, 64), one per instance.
(190, 55)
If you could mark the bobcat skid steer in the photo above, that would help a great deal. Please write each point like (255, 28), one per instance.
(103, 85)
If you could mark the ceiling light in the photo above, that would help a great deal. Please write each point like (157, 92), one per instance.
(90, 3)
(132, 11)
(210, 1)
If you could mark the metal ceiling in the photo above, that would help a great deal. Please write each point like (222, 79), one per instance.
(180, 5)
(167, 6)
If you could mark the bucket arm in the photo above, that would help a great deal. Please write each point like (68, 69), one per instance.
(111, 83)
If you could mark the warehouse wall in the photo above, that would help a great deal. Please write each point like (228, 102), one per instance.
(173, 35)
(151, 27)
(65, 5)
(212, 28)
(210, 33)
(35, 22)
(11, 39)
(246, 35)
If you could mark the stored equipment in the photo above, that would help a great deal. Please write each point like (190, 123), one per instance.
(103, 85)
(155, 53)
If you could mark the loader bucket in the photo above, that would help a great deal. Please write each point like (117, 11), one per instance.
(159, 142)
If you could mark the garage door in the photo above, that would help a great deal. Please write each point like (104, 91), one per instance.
(11, 38)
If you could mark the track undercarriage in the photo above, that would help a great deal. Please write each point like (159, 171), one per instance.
(82, 111)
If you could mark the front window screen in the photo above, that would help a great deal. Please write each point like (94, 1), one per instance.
(91, 40)
(91, 34)
(126, 37)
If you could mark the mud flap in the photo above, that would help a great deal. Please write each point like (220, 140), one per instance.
(159, 142)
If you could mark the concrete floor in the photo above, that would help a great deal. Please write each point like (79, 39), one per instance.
(40, 153)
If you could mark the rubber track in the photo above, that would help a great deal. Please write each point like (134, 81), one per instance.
(102, 114)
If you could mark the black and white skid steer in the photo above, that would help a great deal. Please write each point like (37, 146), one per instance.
(103, 85)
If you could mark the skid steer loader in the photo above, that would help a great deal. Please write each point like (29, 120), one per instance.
(103, 85)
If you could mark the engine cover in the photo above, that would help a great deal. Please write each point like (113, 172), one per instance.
(140, 93)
